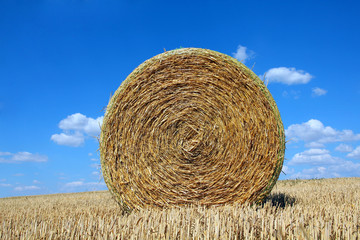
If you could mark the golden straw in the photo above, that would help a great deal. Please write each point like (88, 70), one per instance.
(191, 126)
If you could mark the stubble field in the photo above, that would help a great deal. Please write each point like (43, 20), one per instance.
(296, 209)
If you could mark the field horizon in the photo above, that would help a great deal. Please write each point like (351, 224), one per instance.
(100, 191)
(295, 209)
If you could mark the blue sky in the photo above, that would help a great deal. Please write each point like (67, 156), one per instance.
(61, 60)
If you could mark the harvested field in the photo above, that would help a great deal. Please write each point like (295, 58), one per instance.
(296, 209)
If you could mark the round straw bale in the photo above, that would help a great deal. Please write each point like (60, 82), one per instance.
(191, 126)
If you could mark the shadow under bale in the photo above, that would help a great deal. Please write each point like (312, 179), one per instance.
(280, 200)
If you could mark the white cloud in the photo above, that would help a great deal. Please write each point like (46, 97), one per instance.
(36, 181)
(355, 154)
(287, 76)
(314, 145)
(287, 170)
(21, 157)
(95, 165)
(318, 92)
(81, 123)
(18, 175)
(314, 132)
(344, 148)
(314, 156)
(82, 183)
(324, 165)
(29, 157)
(25, 188)
(5, 153)
(342, 169)
(242, 54)
(75, 184)
(83, 186)
(73, 140)
(76, 128)
(5, 185)
(96, 174)
(316, 172)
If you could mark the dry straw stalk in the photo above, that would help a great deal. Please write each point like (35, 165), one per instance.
(191, 127)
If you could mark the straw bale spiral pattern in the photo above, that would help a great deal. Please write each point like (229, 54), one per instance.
(191, 126)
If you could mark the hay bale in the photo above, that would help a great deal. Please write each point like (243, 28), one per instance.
(191, 126)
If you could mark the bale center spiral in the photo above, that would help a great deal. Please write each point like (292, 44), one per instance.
(191, 126)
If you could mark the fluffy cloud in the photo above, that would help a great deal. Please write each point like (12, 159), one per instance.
(73, 140)
(314, 132)
(26, 188)
(314, 156)
(344, 148)
(81, 123)
(75, 184)
(242, 54)
(318, 92)
(355, 154)
(342, 169)
(76, 128)
(5, 153)
(5, 185)
(95, 165)
(287, 170)
(83, 186)
(82, 183)
(28, 157)
(289, 76)
(319, 163)
(314, 145)
(21, 157)
(96, 174)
